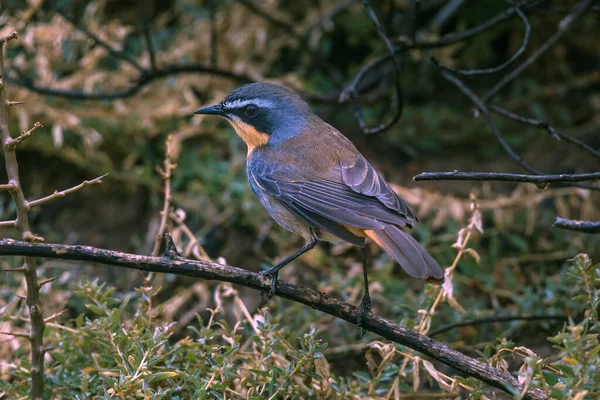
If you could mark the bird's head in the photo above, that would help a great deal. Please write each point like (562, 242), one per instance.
(263, 113)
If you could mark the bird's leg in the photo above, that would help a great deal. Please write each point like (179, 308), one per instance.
(274, 270)
(365, 303)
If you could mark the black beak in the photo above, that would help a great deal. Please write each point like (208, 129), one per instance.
(211, 110)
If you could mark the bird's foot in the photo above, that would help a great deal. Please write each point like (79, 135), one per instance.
(273, 275)
(363, 309)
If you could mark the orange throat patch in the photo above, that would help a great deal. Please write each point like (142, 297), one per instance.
(249, 134)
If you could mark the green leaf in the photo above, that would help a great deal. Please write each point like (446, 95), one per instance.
(550, 378)
(159, 376)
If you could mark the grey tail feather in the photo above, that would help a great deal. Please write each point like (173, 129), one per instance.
(411, 256)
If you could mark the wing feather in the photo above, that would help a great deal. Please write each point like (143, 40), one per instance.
(363, 179)
(362, 201)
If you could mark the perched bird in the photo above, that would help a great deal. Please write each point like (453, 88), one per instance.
(313, 181)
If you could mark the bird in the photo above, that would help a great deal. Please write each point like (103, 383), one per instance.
(315, 183)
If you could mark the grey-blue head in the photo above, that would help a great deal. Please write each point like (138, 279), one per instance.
(263, 113)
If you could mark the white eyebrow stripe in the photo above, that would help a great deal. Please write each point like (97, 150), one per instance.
(237, 104)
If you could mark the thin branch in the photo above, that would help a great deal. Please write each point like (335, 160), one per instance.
(563, 27)
(214, 271)
(48, 280)
(326, 16)
(291, 30)
(351, 90)
(55, 315)
(12, 143)
(555, 133)
(481, 106)
(456, 37)
(506, 177)
(492, 320)
(447, 40)
(169, 166)
(507, 63)
(143, 80)
(7, 187)
(17, 334)
(149, 45)
(283, 25)
(65, 192)
(10, 36)
(15, 103)
(577, 225)
(36, 317)
(114, 53)
(194, 247)
(17, 269)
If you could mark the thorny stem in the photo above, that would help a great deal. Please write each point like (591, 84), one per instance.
(165, 173)
(22, 224)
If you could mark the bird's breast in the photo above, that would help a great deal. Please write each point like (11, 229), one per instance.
(249, 134)
(281, 214)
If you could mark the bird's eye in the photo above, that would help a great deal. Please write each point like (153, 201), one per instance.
(250, 110)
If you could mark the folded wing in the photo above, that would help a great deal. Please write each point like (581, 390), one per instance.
(359, 198)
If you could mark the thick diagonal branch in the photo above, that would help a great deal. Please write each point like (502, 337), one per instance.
(214, 271)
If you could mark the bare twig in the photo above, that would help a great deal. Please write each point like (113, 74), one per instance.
(326, 16)
(165, 173)
(48, 280)
(577, 225)
(447, 40)
(555, 133)
(507, 63)
(17, 334)
(291, 30)
(17, 269)
(214, 271)
(456, 37)
(23, 136)
(7, 187)
(55, 315)
(149, 45)
(194, 247)
(351, 90)
(114, 53)
(65, 192)
(144, 79)
(22, 224)
(10, 36)
(272, 19)
(563, 27)
(481, 106)
(492, 320)
(506, 177)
